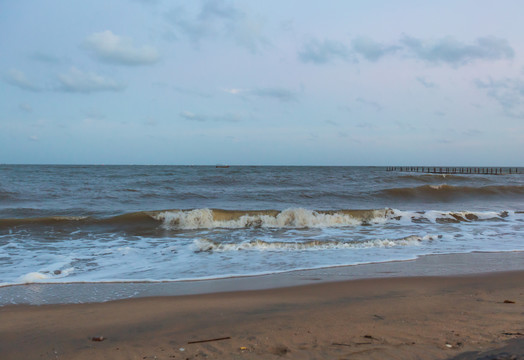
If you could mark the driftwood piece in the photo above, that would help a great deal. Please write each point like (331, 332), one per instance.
(209, 340)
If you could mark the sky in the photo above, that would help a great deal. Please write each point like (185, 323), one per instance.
(288, 82)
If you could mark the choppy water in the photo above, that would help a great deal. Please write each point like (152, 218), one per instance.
(157, 223)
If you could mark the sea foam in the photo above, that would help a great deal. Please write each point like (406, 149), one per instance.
(207, 245)
(304, 218)
(289, 218)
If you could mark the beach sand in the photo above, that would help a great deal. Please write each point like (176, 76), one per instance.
(442, 317)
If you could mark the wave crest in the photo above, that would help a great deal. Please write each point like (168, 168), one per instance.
(289, 218)
(450, 192)
(206, 245)
(139, 222)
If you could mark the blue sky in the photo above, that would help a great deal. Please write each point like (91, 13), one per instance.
(262, 82)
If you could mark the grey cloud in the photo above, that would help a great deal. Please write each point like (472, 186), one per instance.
(446, 50)
(321, 52)
(218, 18)
(440, 113)
(372, 104)
(451, 51)
(219, 9)
(472, 132)
(345, 135)
(150, 122)
(372, 50)
(332, 122)
(111, 48)
(280, 94)
(19, 79)
(25, 108)
(45, 58)
(94, 114)
(312, 137)
(187, 115)
(191, 92)
(365, 125)
(228, 117)
(509, 93)
(77, 81)
(147, 2)
(405, 125)
(426, 83)
(194, 29)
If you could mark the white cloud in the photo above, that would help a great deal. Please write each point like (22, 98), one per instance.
(234, 91)
(19, 79)
(87, 82)
(188, 115)
(112, 48)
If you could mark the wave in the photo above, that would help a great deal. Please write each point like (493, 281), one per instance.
(8, 195)
(289, 218)
(445, 217)
(235, 219)
(451, 192)
(304, 218)
(206, 245)
(426, 178)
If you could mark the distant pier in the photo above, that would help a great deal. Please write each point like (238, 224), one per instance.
(456, 170)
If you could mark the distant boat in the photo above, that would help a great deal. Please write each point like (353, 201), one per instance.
(220, 166)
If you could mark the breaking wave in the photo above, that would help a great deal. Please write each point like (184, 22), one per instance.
(289, 218)
(237, 219)
(303, 218)
(206, 245)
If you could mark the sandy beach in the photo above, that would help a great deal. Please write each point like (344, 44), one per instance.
(436, 317)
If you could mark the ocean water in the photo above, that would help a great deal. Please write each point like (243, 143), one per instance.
(71, 224)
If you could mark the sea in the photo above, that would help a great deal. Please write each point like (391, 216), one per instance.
(150, 224)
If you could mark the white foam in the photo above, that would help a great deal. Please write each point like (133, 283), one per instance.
(33, 277)
(289, 218)
(206, 245)
(435, 216)
(194, 219)
(284, 243)
(44, 276)
(304, 218)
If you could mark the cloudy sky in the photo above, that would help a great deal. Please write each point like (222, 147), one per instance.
(288, 82)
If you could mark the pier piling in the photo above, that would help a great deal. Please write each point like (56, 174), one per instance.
(456, 170)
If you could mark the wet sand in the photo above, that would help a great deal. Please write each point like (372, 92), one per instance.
(426, 317)
(428, 265)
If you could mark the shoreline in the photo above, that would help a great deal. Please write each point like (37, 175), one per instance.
(466, 316)
(427, 265)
